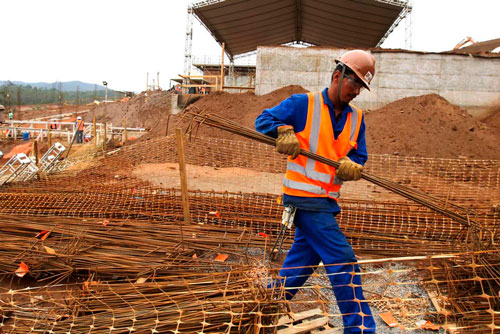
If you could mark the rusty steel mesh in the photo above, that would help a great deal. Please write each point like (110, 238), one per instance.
(119, 257)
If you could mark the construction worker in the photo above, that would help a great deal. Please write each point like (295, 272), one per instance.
(79, 129)
(53, 124)
(327, 124)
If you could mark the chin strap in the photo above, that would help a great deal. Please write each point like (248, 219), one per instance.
(340, 83)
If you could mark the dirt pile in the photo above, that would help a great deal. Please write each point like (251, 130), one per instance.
(147, 110)
(429, 126)
(493, 119)
(424, 126)
(242, 108)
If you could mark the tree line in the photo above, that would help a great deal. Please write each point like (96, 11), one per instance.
(12, 95)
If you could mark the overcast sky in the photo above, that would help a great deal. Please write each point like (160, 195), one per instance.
(121, 40)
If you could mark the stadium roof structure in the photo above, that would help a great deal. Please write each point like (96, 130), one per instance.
(243, 25)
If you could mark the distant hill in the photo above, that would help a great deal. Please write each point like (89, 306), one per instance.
(68, 86)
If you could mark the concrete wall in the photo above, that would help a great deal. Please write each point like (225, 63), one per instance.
(469, 82)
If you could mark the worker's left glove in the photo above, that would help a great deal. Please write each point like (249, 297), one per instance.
(287, 143)
(349, 170)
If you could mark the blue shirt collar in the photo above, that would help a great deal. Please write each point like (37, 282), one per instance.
(329, 102)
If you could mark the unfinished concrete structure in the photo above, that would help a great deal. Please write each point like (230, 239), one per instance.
(469, 81)
(237, 78)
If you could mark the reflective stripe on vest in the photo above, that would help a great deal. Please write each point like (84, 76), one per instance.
(310, 188)
(309, 170)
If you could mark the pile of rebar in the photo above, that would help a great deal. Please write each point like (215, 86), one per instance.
(124, 259)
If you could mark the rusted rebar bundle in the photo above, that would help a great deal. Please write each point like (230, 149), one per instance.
(439, 205)
(465, 290)
(113, 248)
(239, 302)
(233, 302)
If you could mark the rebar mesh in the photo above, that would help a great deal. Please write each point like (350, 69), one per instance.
(116, 220)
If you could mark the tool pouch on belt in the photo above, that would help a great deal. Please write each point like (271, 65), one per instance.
(288, 216)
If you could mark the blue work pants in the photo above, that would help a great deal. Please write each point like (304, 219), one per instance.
(318, 238)
(79, 136)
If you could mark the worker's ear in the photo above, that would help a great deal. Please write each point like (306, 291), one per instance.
(335, 76)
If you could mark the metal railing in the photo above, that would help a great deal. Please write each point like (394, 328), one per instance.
(40, 129)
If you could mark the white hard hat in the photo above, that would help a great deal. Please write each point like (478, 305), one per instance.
(79, 117)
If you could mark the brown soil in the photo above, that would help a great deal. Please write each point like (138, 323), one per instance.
(37, 111)
(429, 126)
(242, 108)
(493, 118)
(426, 126)
(233, 179)
(147, 110)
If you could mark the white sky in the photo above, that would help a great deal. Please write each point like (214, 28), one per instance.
(121, 40)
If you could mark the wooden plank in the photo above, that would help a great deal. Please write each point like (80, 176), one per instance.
(299, 316)
(434, 299)
(183, 175)
(302, 322)
(325, 330)
(304, 327)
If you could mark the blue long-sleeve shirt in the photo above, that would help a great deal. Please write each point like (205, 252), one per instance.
(293, 111)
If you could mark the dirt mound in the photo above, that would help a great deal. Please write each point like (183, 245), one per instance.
(242, 108)
(493, 119)
(148, 110)
(424, 126)
(429, 126)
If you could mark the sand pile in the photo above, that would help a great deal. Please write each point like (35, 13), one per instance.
(429, 126)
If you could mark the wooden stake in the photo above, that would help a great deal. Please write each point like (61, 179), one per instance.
(94, 129)
(104, 137)
(49, 137)
(35, 151)
(182, 170)
(125, 133)
(222, 68)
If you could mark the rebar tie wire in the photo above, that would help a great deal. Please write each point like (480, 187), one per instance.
(429, 201)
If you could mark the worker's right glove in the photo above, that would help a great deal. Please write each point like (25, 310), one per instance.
(349, 170)
(287, 143)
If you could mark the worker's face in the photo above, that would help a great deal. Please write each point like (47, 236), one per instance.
(351, 87)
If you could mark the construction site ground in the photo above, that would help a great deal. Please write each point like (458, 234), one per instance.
(421, 141)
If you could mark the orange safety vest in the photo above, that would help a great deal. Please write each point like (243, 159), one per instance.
(79, 125)
(306, 177)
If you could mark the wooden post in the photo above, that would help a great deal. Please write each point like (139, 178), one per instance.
(35, 151)
(182, 170)
(125, 133)
(104, 137)
(222, 68)
(94, 129)
(49, 137)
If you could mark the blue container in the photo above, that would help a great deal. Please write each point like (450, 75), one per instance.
(26, 135)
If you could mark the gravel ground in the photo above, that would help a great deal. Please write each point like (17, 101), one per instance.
(383, 283)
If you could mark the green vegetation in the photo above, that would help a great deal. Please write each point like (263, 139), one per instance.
(12, 95)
